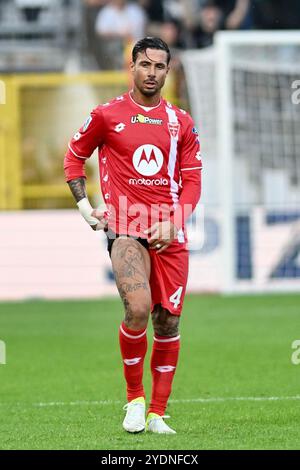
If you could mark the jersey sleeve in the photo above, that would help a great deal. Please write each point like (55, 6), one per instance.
(190, 149)
(190, 170)
(89, 137)
(82, 145)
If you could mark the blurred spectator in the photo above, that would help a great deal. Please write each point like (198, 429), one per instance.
(207, 21)
(167, 17)
(154, 9)
(235, 13)
(91, 9)
(209, 16)
(118, 23)
(170, 32)
(174, 12)
(155, 13)
(279, 14)
(31, 8)
(166, 20)
(175, 84)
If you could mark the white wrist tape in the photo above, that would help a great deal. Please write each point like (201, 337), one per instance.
(85, 210)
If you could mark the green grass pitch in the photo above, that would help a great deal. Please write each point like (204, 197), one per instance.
(235, 387)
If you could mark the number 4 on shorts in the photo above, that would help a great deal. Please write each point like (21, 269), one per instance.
(175, 298)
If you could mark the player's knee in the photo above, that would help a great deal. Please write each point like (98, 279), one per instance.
(166, 330)
(137, 314)
(165, 324)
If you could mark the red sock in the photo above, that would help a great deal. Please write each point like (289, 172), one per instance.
(133, 346)
(163, 365)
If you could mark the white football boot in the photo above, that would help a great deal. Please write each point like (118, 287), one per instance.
(156, 424)
(134, 420)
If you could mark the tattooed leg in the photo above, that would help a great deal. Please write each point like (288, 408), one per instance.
(164, 323)
(131, 266)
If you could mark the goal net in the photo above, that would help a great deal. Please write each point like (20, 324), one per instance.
(245, 98)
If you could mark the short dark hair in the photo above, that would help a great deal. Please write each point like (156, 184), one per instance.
(150, 43)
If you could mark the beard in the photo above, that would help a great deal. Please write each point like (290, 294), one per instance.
(150, 91)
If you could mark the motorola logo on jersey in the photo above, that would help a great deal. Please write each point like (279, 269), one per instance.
(148, 181)
(148, 160)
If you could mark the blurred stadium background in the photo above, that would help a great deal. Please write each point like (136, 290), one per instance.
(236, 69)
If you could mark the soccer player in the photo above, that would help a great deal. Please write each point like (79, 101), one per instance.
(150, 169)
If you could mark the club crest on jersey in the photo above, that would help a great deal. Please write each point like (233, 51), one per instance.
(173, 128)
(141, 119)
(148, 160)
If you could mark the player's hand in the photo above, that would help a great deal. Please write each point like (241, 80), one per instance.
(161, 235)
(101, 216)
(96, 219)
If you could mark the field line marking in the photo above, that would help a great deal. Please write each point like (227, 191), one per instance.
(178, 401)
(224, 399)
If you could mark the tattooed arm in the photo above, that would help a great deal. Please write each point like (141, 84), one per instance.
(77, 187)
(96, 219)
(80, 148)
(74, 168)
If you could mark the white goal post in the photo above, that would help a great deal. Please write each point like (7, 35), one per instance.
(245, 98)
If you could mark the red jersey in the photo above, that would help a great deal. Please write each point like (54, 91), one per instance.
(149, 161)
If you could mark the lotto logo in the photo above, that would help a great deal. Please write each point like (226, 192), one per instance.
(120, 127)
(164, 369)
(132, 362)
(148, 160)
